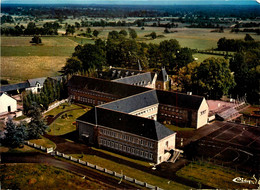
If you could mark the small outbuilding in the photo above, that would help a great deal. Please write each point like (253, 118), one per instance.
(7, 104)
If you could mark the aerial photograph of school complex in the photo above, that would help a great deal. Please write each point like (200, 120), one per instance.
(108, 94)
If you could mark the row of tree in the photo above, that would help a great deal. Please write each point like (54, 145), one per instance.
(49, 28)
(121, 51)
(52, 90)
(237, 45)
(14, 134)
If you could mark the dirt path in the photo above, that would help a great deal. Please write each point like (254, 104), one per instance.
(42, 158)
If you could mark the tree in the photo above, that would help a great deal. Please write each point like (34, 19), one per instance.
(132, 33)
(89, 30)
(95, 33)
(183, 57)
(37, 126)
(245, 66)
(113, 35)
(213, 78)
(77, 25)
(184, 76)
(123, 32)
(72, 66)
(153, 35)
(14, 135)
(168, 50)
(36, 40)
(248, 37)
(91, 56)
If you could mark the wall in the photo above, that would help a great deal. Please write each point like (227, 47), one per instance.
(202, 114)
(6, 101)
(147, 112)
(91, 98)
(162, 146)
(127, 143)
(88, 129)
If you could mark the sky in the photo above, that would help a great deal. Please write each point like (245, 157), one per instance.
(137, 2)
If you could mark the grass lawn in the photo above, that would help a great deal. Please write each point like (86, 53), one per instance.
(82, 40)
(201, 56)
(213, 175)
(19, 68)
(40, 176)
(43, 142)
(144, 163)
(37, 50)
(65, 125)
(175, 128)
(131, 172)
(61, 108)
(17, 150)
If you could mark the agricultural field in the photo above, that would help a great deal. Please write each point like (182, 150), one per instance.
(20, 60)
(41, 176)
(195, 38)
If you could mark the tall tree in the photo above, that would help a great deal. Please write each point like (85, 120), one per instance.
(14, 135)
(37, 126)
(72, 66)
(213, 78)
(168, 49)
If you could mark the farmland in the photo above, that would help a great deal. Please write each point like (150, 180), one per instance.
(21, 60)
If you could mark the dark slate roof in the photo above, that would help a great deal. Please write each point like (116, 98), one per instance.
(33, 82)
(132, 103)
(11, 87)
(179, 99)
(57, 78)
(141, 79)
(128, 123)
(119, 72)
(162, 75)
(118, 89)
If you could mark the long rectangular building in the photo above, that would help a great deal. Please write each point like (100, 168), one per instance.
(124, 118)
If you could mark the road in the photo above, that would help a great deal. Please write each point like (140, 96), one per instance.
(47, 159)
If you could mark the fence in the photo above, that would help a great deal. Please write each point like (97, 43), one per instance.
(96, 167)
(56, 104)
(42, 148)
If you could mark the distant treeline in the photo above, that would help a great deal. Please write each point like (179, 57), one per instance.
(124, 11)
(49, 28)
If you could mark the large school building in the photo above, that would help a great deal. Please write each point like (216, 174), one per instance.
(126, 117)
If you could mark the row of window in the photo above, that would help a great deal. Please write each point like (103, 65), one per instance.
(125, 148)
(127, 138)
(171, 109)
(173, 116)
(93, 94)
(141, 83)
(146, 111)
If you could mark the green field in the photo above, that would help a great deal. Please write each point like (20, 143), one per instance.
(40, 176)
(63, 125)
(201, 56)
(213, 175)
